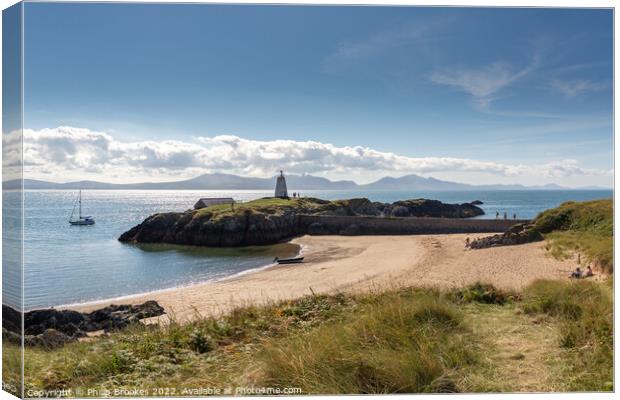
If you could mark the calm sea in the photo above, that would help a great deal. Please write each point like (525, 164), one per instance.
(66, 264)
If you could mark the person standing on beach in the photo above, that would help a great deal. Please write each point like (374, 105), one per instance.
(514, 216)
(496, 214)
(505, 215)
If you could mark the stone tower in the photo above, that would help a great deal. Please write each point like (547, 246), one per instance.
(281, 191)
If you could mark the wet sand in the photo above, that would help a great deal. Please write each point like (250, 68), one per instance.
(353, 263)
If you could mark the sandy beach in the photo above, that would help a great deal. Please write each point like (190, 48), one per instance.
(348, 263)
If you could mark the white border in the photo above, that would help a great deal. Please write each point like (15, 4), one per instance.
(478, 3)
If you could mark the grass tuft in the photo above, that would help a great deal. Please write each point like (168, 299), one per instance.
(482, 293)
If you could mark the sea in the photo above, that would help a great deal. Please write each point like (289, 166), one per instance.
(66, 265)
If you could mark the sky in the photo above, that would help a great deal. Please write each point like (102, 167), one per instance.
(156, 92)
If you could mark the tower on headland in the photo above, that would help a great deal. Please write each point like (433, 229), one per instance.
(281, 191)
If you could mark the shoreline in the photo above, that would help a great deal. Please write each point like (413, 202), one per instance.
(234, 286)
(357, 263)
(120, 299)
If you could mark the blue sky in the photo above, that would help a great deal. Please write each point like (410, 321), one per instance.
(120, 92)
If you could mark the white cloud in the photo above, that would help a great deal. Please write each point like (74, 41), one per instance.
(11, 149)
(12, 155)
(263, 157)
(483, 84)
(576, 87)
(564, 168)
(67, 152)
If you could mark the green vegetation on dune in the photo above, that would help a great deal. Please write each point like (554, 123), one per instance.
(482, 293)
(407, 342)
(590, 216)
(583, 227)
(584, 310)
(11, 368)
(403, 341)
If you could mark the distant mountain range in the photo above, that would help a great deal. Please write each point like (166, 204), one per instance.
(294, 182)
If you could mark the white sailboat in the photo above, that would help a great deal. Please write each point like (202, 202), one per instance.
(82, 220)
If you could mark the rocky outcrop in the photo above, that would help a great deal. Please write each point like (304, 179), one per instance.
(518, 234)
(431, 208)
(361, 207)
(11, 319)
(268, 221)
(49, 339)
(192, 228)
(52, 328)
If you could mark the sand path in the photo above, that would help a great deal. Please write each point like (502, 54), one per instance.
(344, 263)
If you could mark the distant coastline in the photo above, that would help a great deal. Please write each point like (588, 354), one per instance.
(302, 182)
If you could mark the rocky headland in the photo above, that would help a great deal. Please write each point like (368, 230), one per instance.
(271, 220)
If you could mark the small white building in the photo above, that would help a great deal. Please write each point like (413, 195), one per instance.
(212, 201)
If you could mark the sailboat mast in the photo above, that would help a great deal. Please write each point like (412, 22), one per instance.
(80, 200)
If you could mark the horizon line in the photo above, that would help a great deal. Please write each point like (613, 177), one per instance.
(23, 179)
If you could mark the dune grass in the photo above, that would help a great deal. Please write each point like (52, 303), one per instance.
(584, 310)
(582, 227)
(170, 355)
(399, 341)
(594, 248)
(11, 367)
(403, 341)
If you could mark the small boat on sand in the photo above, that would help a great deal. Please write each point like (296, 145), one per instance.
(296, 260)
